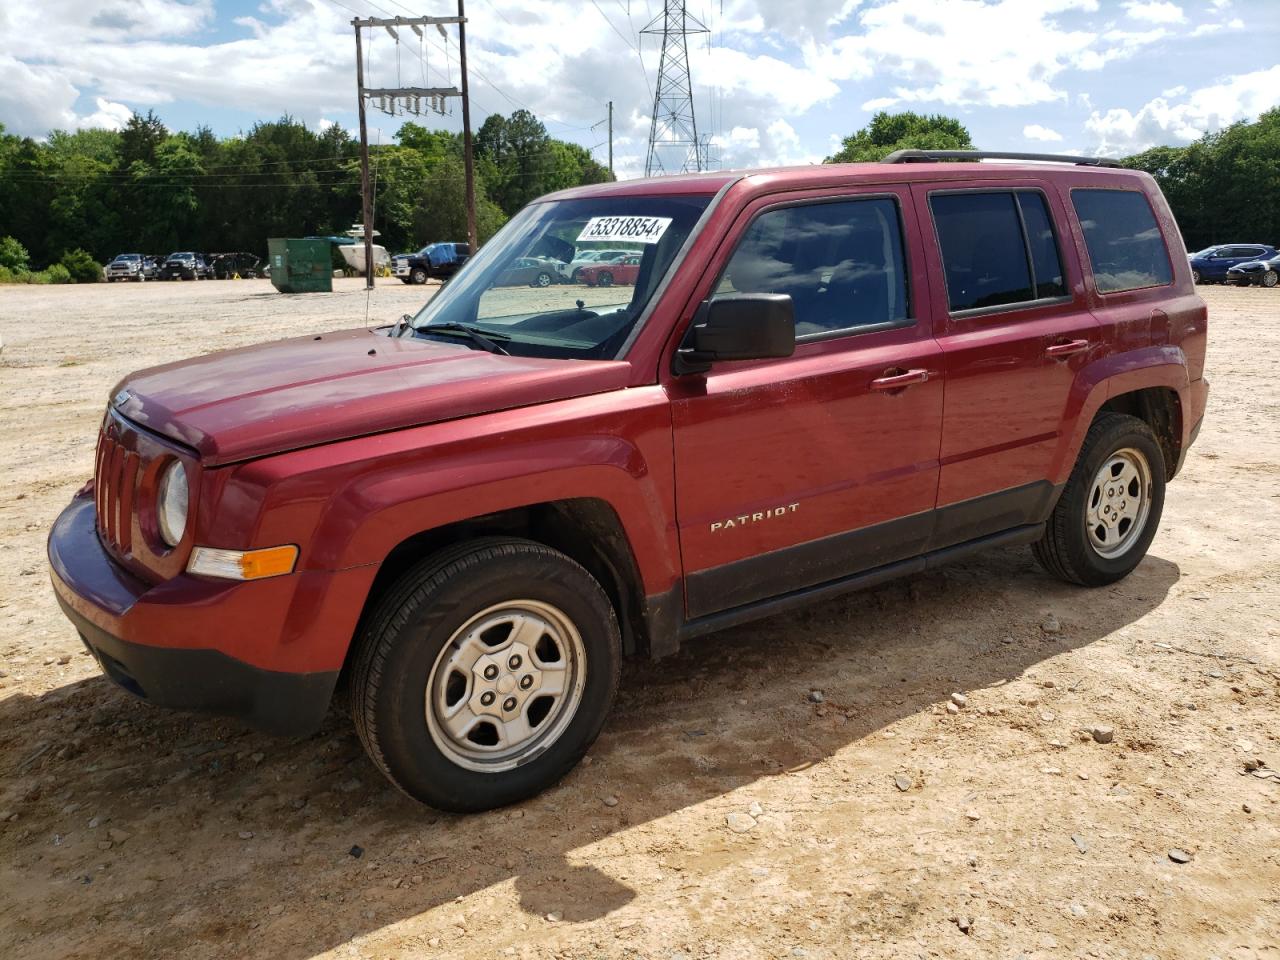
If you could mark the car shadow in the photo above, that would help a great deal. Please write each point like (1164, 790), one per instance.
(184, 831)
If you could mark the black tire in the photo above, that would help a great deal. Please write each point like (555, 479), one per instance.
(1270, 279)
(401, 639)
(1195, 277)
(1065, 549)
(542, 280)
(418, 275)
(605, 279)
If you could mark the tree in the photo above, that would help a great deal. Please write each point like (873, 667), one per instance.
(888, 132)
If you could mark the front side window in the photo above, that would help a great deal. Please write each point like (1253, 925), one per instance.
(518, 292)
(1126, 248)
(841, 263)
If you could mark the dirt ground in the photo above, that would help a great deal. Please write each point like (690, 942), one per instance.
(884, 825)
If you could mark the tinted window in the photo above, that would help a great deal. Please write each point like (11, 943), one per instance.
(1046, 264)
(983, 252)
(841, 263)
(1124, 241)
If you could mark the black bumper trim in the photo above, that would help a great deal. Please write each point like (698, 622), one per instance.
(208, 681)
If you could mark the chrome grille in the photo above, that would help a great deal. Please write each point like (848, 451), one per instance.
(115, 481)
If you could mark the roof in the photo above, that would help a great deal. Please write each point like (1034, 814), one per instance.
(829, 174)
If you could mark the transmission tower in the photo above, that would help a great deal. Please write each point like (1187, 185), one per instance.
(673, 131)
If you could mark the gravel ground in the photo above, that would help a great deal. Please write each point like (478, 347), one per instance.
(728, 810)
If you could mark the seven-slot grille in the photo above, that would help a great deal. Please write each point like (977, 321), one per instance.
(116, 480)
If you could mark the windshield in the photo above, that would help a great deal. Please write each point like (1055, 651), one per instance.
(515, 291)
(182, 256)
(128, 256)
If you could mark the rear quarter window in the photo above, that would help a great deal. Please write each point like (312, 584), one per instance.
(1126, 249)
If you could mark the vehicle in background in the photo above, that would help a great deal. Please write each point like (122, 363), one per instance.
(587, 258)
(1211, 264)
(224, 266)
(1265, 273)
(623, 270)
(437, 261)
(186, 265)
(130, 266)
(530, 271)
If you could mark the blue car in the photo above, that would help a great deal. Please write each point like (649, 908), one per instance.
(1211, 264)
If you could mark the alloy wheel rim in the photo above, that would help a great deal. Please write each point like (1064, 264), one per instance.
(1119, 503)
(506, 685)
(1270, 278)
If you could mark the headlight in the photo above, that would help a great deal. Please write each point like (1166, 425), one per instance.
(171, 505)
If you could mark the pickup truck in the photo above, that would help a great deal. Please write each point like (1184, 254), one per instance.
(437, 261)
(472, 515)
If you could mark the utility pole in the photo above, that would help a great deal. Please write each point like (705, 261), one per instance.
(673, 123)
(467, 161)
(410, 100)
(366, 198)
(611, 136)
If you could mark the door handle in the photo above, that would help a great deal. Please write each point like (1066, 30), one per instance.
(897, 380)
(1067, 349)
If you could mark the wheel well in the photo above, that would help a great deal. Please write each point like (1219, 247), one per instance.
(1159, 408)
(587, 530)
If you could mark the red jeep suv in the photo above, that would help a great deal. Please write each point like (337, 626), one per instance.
(821, 378)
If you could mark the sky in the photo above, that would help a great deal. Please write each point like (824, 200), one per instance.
(774, 82)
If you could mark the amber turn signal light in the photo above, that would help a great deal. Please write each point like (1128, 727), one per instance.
(243, 564)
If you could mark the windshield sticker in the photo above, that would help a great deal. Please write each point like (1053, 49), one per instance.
(632, 229)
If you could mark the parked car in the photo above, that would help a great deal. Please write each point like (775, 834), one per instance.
(435, 260)
(1265, 273)
(130, 266)
(474, 514)
(606, 274)
(1211, 264)
(186, 266)
(224, 266)
(529, 271)
(569, 271)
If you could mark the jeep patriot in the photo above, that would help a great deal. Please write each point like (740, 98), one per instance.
(822, 377)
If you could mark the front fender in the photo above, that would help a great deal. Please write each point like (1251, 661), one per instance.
(1111, 376)
(349, 504)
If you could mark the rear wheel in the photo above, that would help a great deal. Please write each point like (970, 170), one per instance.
(605, 279)
(485, 673)
(1110, 508)
(1271, 278)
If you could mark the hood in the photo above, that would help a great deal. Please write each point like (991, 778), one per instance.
(260, 400)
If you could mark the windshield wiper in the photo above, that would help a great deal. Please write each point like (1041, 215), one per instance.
(471, 333)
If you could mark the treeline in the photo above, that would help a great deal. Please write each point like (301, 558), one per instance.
(1225, 187)
(147, 189)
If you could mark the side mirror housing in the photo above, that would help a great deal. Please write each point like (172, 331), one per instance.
(738, 326)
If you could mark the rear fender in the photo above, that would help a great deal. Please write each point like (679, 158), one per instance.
(1157, 366)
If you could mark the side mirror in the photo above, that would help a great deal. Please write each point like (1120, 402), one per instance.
(739, 326)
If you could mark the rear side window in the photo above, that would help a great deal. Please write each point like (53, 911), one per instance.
(841, 263)
(1126, 249)
(998, 248)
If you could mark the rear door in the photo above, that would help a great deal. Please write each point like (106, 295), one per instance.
(795, 472)
(1014, 326)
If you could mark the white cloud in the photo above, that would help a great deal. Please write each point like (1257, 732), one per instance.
(1154, 11)
(1036, 132)
(1119, 132)
(1173, 92)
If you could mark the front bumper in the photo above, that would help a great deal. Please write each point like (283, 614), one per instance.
(267, 652)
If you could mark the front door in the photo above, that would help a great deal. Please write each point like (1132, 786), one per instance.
(796, 472)
(1015, 328)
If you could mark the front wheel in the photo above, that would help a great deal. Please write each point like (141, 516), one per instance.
(542, 280)
(1195, 276)
(1271, 278)
(485, 673)
(605, 279)
(1110, 508)
(418, 276)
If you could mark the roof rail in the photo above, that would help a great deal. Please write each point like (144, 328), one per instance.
(924, 156)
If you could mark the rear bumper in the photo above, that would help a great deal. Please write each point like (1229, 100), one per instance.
(1198, 400)
(267, 652)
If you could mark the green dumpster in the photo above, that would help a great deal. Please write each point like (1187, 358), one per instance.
(300, 266)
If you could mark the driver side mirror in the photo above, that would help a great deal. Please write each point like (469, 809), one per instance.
(738, 326)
